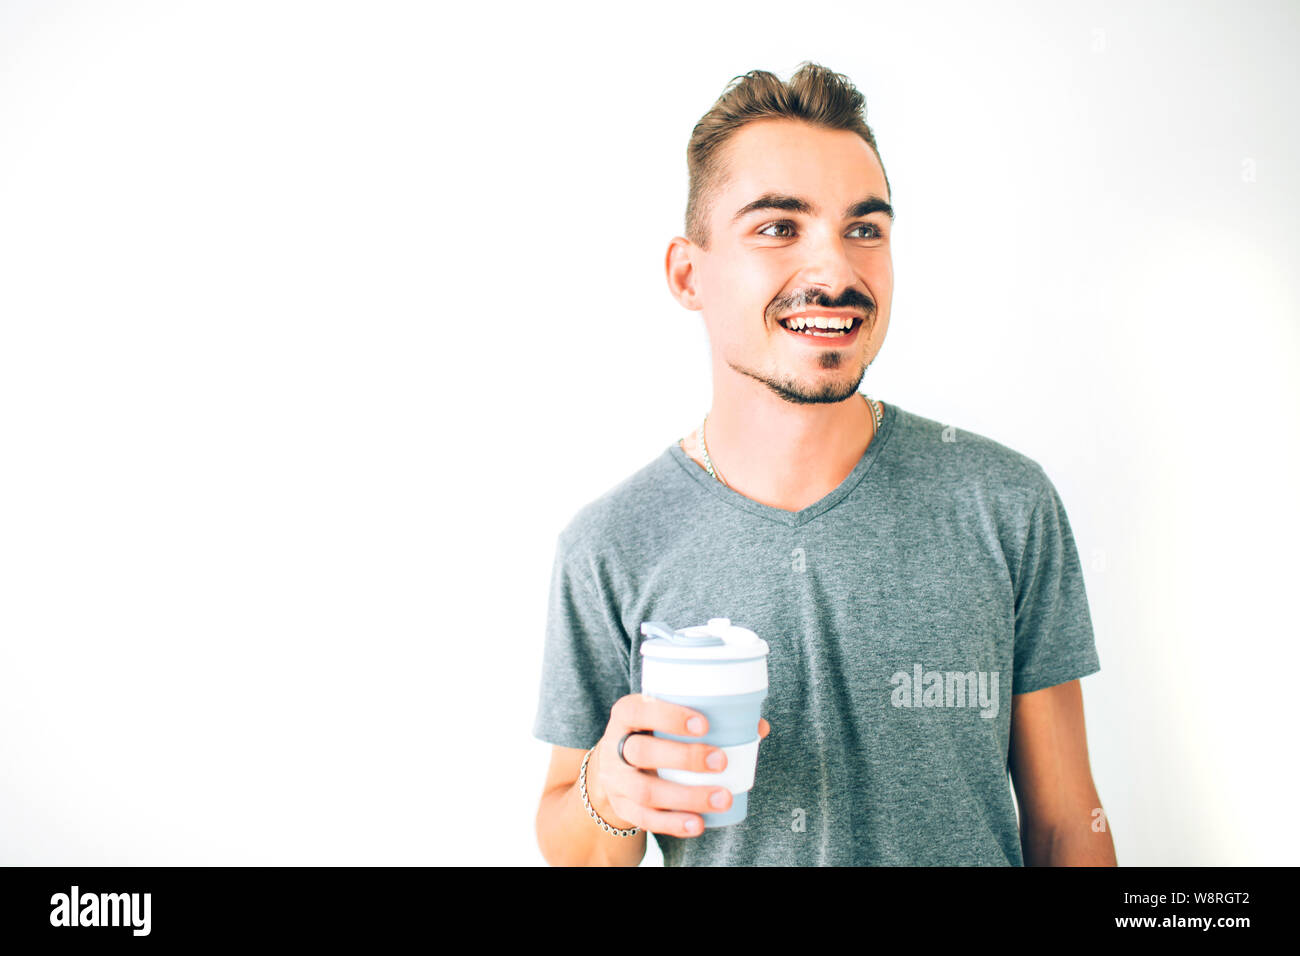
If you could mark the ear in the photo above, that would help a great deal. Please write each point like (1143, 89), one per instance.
(683, 280)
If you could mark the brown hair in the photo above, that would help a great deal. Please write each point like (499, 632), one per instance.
(814, 95)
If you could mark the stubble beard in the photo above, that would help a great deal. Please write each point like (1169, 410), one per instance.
(792, 390)
(797, 393)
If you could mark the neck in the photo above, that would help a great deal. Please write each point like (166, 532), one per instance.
(785, 455)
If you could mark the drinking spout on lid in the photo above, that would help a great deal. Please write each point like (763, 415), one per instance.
(731, 633)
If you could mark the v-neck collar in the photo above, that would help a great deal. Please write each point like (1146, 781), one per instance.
(792, 518)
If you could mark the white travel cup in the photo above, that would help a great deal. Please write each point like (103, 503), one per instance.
(720, 671)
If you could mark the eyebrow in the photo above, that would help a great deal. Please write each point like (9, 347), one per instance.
(863, 207)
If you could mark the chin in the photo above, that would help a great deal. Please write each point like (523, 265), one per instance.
(824, 393)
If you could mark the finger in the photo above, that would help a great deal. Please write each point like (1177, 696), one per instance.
(651, 792)
(636, 794)
(764, 728)
(646, 752)
(673, 824)
(643, 712)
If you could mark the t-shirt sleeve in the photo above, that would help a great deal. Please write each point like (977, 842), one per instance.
(1054, 636)
(585, 661)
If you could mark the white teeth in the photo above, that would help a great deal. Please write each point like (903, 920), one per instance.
(807, 324)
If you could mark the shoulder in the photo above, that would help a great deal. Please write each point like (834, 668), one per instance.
(949, 459)
(619, 518)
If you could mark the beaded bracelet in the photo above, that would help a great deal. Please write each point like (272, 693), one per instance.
(586, 802)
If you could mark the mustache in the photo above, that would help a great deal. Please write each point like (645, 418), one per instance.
(815, 300)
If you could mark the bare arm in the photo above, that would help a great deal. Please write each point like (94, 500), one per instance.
(1061, 821)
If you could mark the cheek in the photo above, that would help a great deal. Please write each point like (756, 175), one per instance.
(749, 288)
(755, 273)
(879, 277)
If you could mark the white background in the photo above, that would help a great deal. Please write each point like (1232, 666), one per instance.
(319, 320)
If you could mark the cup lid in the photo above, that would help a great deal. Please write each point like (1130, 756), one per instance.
(719, 640)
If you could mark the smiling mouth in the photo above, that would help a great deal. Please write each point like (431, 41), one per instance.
(831, 328)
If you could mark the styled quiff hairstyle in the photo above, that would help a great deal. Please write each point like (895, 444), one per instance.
(814, 95)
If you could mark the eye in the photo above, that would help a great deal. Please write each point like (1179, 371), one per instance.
(787, 224)
(784, 222)
(868, 225)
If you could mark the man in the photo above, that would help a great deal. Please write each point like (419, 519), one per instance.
(919, 586)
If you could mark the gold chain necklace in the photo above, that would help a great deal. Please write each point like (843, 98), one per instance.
(877, 415)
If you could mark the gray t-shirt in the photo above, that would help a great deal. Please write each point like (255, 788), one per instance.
(902, 610)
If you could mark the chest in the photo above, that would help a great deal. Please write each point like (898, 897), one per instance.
(854, 608)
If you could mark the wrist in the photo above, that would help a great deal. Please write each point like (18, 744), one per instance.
(596, 795)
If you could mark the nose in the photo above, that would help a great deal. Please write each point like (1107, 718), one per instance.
(828, 264)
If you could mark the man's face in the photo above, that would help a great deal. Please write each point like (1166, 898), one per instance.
(827, 251)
